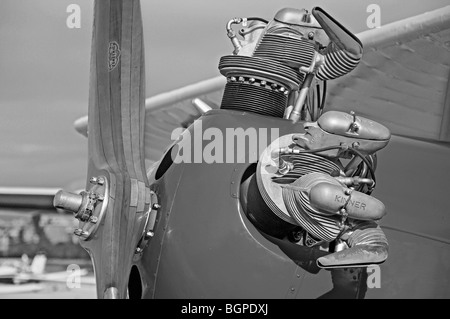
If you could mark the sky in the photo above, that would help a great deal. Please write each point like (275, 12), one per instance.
(44, 68)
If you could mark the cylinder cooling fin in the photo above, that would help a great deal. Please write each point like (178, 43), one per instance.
(270, 182)
(292, 51)
(304, 164)
(243, 96)
(265, 68)
(295, 196)
(258, 85)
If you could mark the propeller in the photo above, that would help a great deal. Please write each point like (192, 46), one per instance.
(115, 210)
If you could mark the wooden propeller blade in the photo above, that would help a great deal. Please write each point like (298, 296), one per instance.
(116, 141)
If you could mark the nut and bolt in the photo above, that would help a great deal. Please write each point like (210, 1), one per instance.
(80, 232)
(97, 180)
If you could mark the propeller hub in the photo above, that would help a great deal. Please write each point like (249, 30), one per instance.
(68, 201)
(88, 206)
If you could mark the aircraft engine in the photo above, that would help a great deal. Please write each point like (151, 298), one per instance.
(303, 189)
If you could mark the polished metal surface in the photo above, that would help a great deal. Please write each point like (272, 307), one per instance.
(297, 16)
(353, 125)
(330, 198)
(96, 202)
(68, 201)
(343, 131)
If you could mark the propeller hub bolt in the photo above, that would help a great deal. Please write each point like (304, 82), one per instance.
(156, 206)
(97, 180)
(149, 234)
(93, 219)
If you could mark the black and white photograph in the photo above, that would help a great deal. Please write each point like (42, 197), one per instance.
(224, 154)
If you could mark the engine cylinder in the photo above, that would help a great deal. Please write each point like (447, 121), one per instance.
(252, 98)
(292, 51)
(261, 81)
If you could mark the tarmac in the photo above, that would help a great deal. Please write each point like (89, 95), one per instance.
(52, 291)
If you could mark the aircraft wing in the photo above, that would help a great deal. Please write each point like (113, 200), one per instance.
(403, 78)
(168, 111)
